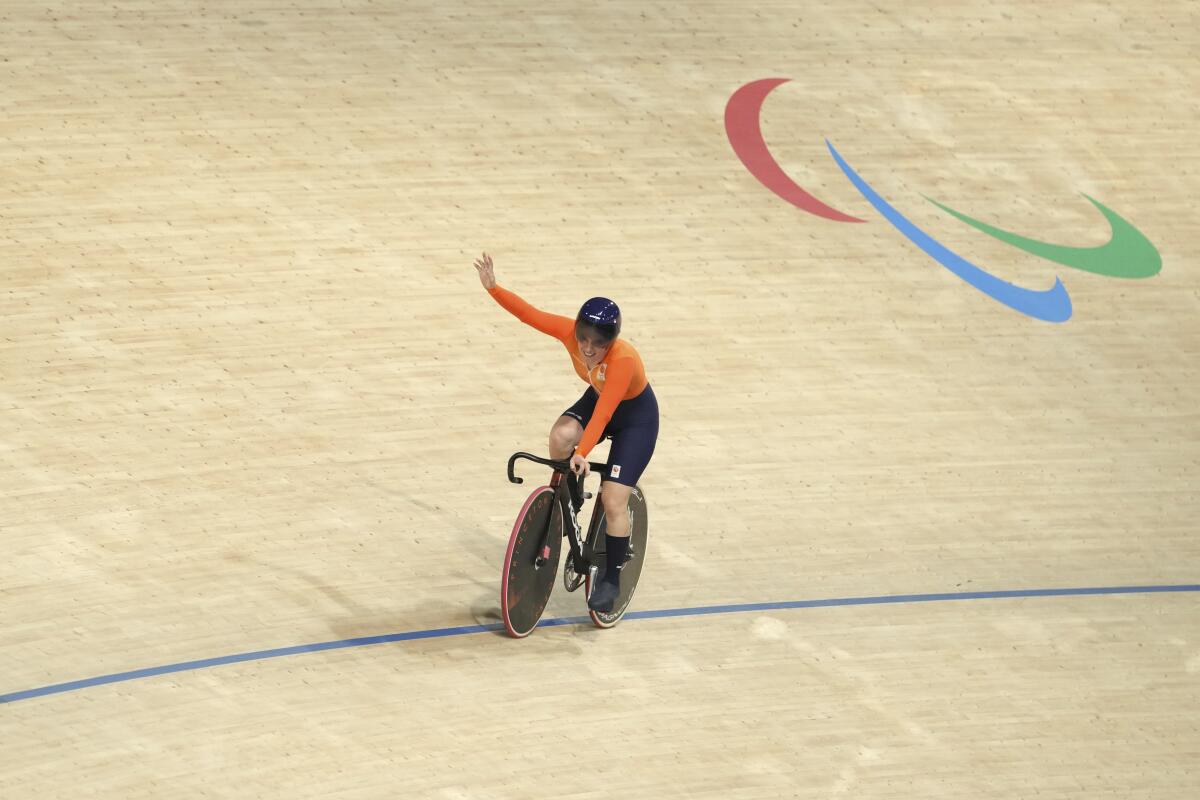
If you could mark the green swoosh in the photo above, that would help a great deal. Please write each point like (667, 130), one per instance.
(1128, 254)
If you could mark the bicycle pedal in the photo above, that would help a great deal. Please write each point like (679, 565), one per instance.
(572, 578)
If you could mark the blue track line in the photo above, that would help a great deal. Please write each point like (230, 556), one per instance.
(438, 633)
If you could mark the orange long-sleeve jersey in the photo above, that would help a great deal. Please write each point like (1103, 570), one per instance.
(620, 376)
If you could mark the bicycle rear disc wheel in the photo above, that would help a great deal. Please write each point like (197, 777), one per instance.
(525, 585)
(639, 529)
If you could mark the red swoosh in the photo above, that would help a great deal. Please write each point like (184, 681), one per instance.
(745, 134)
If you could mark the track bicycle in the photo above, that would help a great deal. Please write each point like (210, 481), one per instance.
(549, 515)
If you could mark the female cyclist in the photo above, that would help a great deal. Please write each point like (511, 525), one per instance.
(618, 404)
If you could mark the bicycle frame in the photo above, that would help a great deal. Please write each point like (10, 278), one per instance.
(568, 496)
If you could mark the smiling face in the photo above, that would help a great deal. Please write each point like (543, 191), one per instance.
(592, 345)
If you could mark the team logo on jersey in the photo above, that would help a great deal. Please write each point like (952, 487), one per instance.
(598, 375)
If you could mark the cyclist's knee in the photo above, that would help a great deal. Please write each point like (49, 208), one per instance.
(615, 498)
(564, 436)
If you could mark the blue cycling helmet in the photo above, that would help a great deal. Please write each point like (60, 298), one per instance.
(601, 315)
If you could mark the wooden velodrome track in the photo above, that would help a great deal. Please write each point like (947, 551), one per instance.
(254, 398)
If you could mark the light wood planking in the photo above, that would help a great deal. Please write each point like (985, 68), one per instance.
(254, 397)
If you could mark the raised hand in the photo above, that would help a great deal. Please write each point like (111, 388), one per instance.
(487, 273)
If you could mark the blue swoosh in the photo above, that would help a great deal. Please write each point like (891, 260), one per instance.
(1051, 305)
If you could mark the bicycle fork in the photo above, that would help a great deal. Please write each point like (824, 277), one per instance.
(566, 504)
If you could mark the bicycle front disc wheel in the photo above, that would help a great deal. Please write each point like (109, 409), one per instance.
(528, 575)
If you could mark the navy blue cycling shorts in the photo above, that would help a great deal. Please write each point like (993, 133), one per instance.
(633, 430)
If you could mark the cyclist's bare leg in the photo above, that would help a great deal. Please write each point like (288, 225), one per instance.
(564, 437)
(615, 497)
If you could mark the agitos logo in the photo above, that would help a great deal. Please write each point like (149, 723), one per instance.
(1128, 254)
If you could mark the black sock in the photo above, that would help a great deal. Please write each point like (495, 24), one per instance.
(616, 547)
